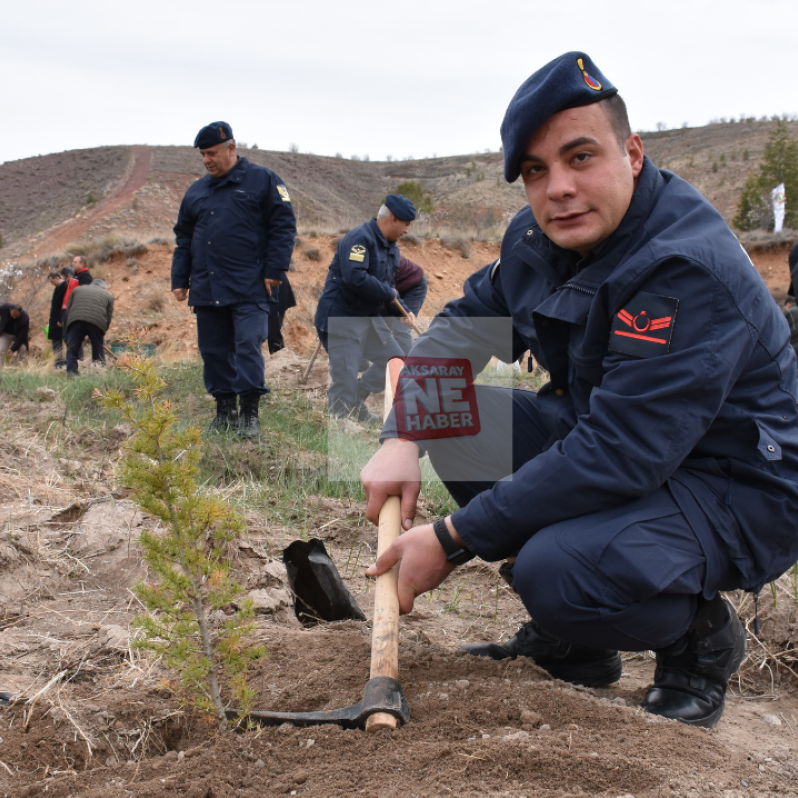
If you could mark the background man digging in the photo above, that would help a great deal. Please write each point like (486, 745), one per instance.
(89, 313)
(659, 465)
(358, 292)
(14, 332)
(235, 235)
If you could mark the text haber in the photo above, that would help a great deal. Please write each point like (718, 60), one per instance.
(435, 398)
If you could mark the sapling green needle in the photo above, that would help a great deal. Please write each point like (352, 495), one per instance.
(188, 559)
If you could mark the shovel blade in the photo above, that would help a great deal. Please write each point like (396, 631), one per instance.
(320, 593)
(382, 694)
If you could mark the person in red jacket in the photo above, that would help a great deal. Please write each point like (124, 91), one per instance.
(80, 265)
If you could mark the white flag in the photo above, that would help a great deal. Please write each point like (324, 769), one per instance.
(779, 199)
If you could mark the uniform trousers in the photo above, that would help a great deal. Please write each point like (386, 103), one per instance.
(413, 299)
(348, 341)
(627, 577)
(230, 340)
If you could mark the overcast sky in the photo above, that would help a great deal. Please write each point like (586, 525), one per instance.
(404, 78)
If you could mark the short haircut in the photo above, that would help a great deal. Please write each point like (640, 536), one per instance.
(226, 144)
(54, 276)
(99, 283)
(615, 109)
(384, 211)
(82, 259)
(68, 271)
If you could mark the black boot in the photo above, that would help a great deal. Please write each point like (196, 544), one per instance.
(693, 673)
(226, 413)
(249, 424)
(567, 661)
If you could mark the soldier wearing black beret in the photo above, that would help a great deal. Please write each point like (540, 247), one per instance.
(659, 465)
(359, 291)
(235, 235)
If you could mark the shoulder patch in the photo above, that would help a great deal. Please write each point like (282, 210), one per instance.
(644, 326)
(358, 253)
(283, 192)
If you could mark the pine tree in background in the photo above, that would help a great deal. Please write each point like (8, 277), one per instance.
(413, 191)
(779, 164)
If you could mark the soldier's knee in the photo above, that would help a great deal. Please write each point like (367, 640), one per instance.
(543, 577)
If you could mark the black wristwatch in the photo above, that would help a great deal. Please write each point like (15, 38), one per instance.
(455, 554)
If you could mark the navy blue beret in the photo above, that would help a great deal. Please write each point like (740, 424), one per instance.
(213, 134)
(569, 81)
(401, 207)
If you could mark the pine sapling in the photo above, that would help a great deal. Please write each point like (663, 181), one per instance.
(189, 563)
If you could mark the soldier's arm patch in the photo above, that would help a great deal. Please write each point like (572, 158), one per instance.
(644, 325)
(283, 192)
(358, 253)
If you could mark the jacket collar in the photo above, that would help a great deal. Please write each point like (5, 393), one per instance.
(235, 175)
(377, 232)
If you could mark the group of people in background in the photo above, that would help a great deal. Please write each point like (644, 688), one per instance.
(81, 307)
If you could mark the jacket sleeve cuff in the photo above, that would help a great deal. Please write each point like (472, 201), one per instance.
(274, 274)
(389, 430)
(473, 524)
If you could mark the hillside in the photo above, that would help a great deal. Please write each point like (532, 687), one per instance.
(109, 191)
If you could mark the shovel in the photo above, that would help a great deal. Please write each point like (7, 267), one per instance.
(383, 705)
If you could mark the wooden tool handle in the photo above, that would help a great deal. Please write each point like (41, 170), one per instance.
(310, 365)
(385, 624)
(406, 315)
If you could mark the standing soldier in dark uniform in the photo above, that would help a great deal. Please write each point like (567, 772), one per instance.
(659, 466)
(235, 235)
(358, 292)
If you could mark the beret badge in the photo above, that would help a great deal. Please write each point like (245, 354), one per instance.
(590, 81)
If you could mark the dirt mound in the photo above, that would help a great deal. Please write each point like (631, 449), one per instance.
(96, 718)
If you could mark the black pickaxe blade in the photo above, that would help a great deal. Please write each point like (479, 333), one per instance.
(382, 694)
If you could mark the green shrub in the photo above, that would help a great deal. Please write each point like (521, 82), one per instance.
(413, 191)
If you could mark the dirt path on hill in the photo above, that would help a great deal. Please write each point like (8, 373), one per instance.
(134, 177)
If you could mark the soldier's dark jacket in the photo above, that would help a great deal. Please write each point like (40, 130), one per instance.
(233, 232)
(361, 278)
(670, 364)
